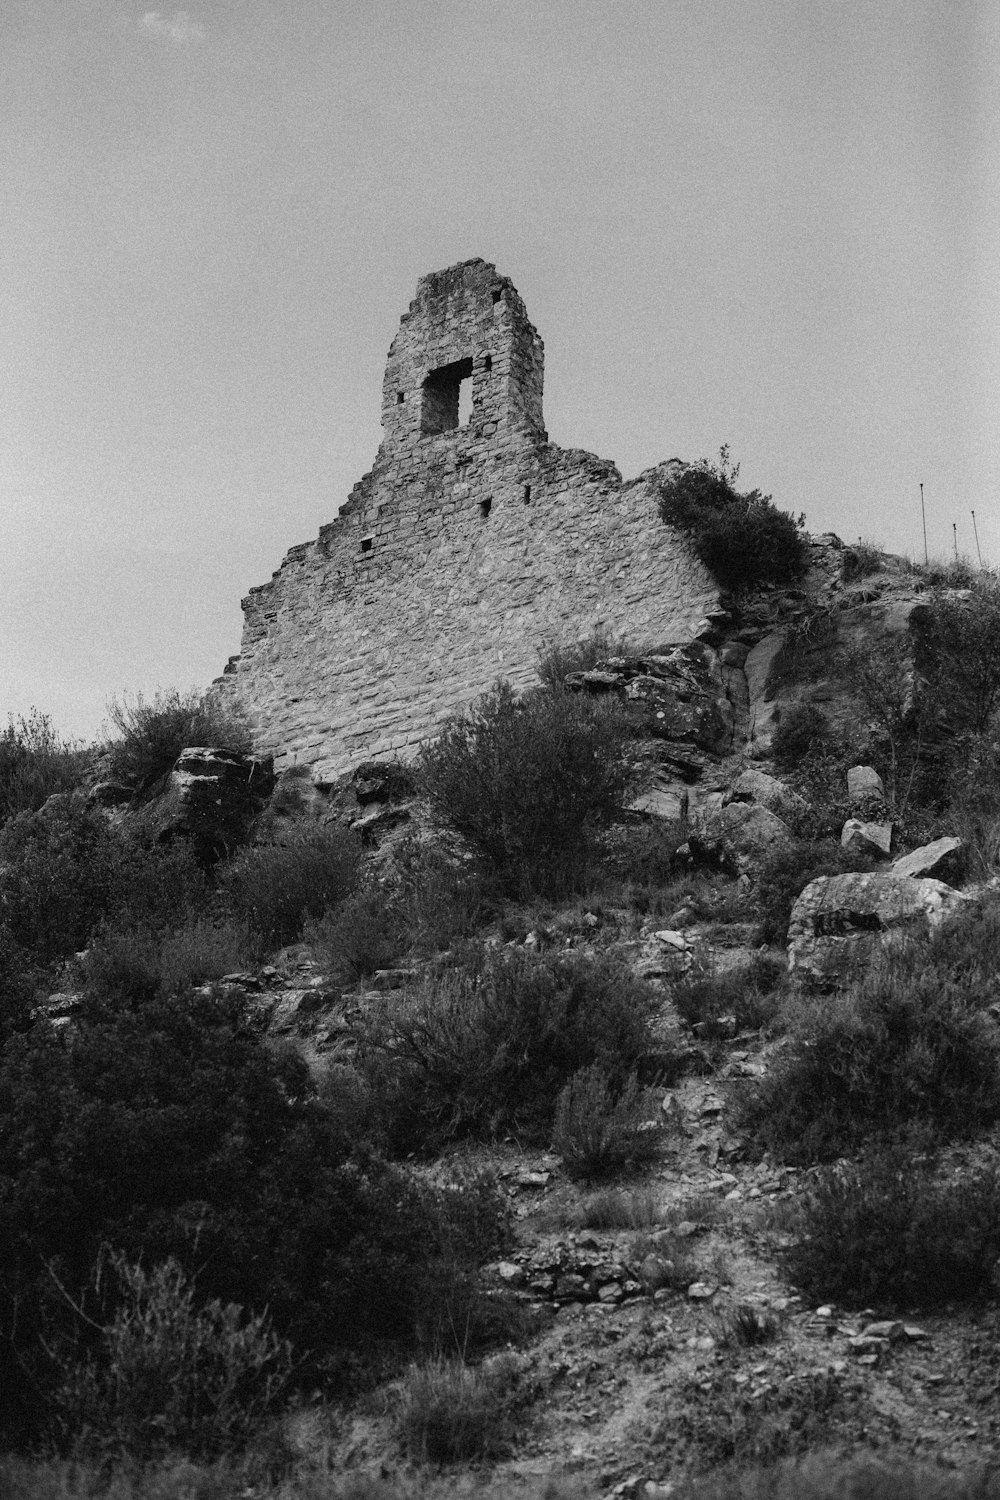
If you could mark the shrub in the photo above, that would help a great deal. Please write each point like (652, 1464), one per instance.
(527, 783)
(67, 868)
(785, 873)
(801, 730)
(451, 1412)
(172, 1375)
(862, 560)
(276, 888)
(746, 1326)
(825, 1476)
(151, 735)
(892, 1230)
(556, 662)
(363, 934)
(618, 1208)
(747, 993)
(743, 540)
(170, 1130)
(598, 1130)
(140, 962)
(910, 1048)
(35, 763)
(487, 1045)
(958, 651)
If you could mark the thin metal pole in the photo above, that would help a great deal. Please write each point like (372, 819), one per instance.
(923, 516)
(975, 531)
(954, 532)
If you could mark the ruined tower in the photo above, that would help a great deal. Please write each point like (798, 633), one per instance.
(472, 542)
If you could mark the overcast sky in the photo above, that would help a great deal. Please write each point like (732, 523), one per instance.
(767, 223)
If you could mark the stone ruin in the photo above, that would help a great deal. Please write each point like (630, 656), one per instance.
(472, 543)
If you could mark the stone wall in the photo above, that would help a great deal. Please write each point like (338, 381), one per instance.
(463, 550)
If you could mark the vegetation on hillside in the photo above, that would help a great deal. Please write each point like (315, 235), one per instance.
(743, 539)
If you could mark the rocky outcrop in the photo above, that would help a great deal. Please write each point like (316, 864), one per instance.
(753, 785)
(867, 838)
(840, 922)
(211, 798)
(737, 837)
(938, 858)
(679, 695)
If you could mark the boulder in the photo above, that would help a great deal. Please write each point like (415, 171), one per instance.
(211, 798)
(738, 836)
(674, 695)
(762, 674)
(929, 859)
(671, 806)
(867, 838)
(840, 922)
(864, 784)
(767, 791)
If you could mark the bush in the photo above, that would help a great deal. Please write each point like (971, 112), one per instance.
(276, 888)
(141, 962)
(827, 1477)
(785, 873)
(527, 783)
(453, 1413)
(172, 1375)
(958, 651)
(364, 934)
(892, 1230)
(486, 1046)
(598, 1130)
(800, 731)
(743, 540)
(747, 993)
(35, 763)
(555, 662)
(67, 868)
(153, 734)
(169, 1130)
(862, 561)
(909, 1049)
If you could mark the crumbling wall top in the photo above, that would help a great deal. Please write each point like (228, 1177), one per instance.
(467, 323)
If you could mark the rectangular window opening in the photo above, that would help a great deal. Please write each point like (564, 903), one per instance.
(400, 397)
(497, 294)
(366, 543)
(485, 506)
(488, 363)
(527, 494)
(445, 405)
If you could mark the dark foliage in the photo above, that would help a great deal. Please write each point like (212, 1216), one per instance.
(893, 1229)
(276, 888)
(151, 735)
(957, 637)
(66, 868)
(35, 763)
(486, 1046)
(169, 1130)
(910, 1050)
(528, 782)
(599, 1129)
(743, 539)
(801, 730)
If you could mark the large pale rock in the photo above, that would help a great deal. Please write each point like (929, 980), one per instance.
(929, 859)
(867, 838)
(840, 922)
(677, 695)
(211, 798)
(767, 791)
(671, 806)
(864, 782)
(739, 835)
(761, 668)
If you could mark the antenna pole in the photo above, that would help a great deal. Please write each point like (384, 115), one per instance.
(975, 532)
(923, 517)
(954, 533)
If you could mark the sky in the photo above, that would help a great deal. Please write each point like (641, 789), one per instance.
(771, 224)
